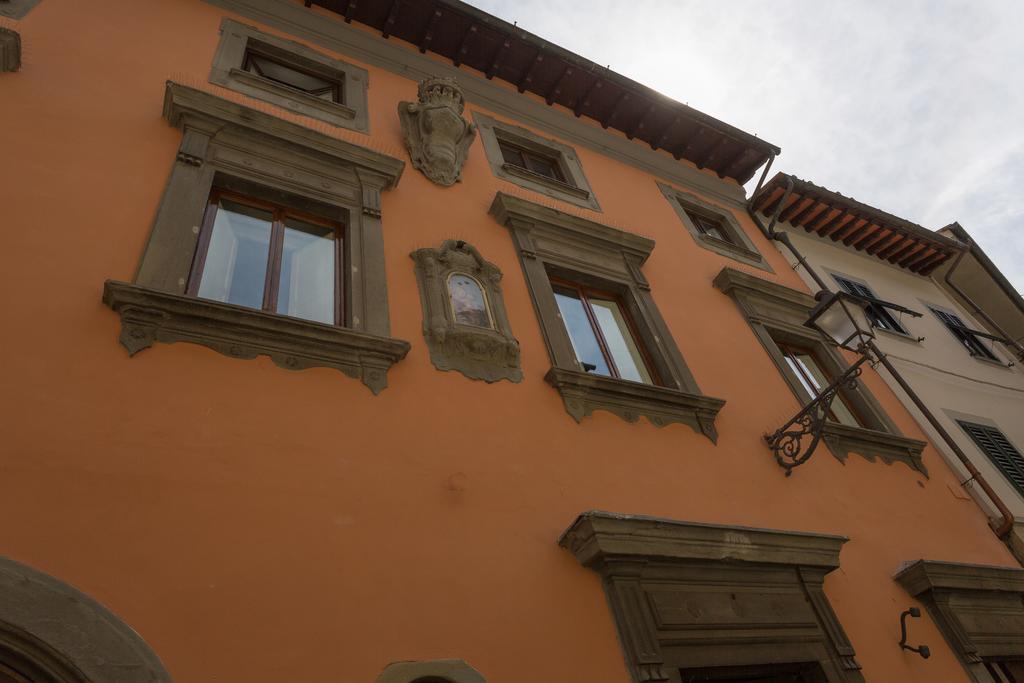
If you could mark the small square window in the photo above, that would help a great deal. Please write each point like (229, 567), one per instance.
(538, 164)
(712, 227)
(291, 76)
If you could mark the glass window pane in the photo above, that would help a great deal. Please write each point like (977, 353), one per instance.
(819, 380)
(621, 344)
(308, 275)
(584, 341)
(469, 305)
(542, 166)
(286, 75)
(512, 155)
(236, 260)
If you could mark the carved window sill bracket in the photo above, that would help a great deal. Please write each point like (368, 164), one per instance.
(871, 444)
(583, 393)
(149, 315)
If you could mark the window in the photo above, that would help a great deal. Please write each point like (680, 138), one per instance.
(609, 346)
(600, 331)
(688, 606)
(857, 423)
(328, 89)
(1006, 671)
(269, 257)
(268, 241)
(468, 301)
(539, 164)
(878, 315)
(290, 75)
(994, 444)
(713, 228)
(808, 371)
(772, 673)
(965, 335)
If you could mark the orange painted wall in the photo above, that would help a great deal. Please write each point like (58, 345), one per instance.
(255, 524)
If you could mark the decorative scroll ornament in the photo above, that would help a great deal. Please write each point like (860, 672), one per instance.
(464, 319)
(436, 134)
(787, 442)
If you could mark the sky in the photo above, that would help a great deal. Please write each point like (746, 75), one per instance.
(915, 107)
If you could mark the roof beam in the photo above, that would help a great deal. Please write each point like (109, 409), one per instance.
(805, 213)
(428, 35)
(849, 228)
(931, 263)
(731, 164)
(556, 89)
(662, 137)
(871, 237)
(903, 251)
(496, 62)
(350, 10)
(706, 159)
(830, 225)
(530, 72)
(891, 248)
(608, 120)
(640, 122)
(920, 258)
(793, 208)
(820, 219)
(894, 236)
(584, 99)
(868, 229)
(772, 206)
(690, 143)
(913, 255)
(389, 23)
(464, 45)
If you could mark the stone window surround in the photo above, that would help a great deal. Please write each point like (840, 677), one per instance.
(670, 584)
(775, 311)
(978, 608)
(225, 139)
(45, 620)
(576, 190)
(741, 248)
(10, 50)
(551, 242)
(490, 354)
(237, 38)
(999, 362)
(449, 670)
(17, 9)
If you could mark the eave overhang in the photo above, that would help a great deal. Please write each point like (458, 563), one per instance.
(468, 36)
(859, 226)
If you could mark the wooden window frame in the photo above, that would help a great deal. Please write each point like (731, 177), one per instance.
(272, 283)
(786, 348)
(961, 332)
(336, 79)
(526, 153)
(584, 292)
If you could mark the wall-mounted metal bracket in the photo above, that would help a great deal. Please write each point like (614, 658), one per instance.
(921, 649)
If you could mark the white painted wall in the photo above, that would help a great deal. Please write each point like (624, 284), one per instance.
(947, 378)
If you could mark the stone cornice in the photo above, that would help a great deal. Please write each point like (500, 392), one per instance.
(185, 106)
(926, 575)
(730, 280)
(598, 536)
(507, 208)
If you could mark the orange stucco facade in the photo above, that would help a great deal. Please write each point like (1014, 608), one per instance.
(256, 524)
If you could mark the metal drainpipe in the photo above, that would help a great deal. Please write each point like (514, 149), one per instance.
(1005, 525)
(977, 310)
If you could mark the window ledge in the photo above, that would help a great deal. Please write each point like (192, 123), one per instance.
(734, 250)
(583, 393)
(988, 361)
(150, 315)
(557, 185)
(870, 444)
(293, 99)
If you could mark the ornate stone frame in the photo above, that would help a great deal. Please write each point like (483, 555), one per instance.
(551, 242)
(741, 248)
(10, 50)
(450, 670)
(227, 71)
(17, 9)
(226, 142)
(978, 608)
(688, 595)
(490, 354)
(577, 191)
(64, 633)
(776, 312)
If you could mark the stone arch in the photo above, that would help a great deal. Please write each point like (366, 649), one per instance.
(54, 633)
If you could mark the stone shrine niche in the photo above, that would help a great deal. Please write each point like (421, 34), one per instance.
(436, 134)
(464, 319)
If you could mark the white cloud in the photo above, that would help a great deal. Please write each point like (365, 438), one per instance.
(915, 107)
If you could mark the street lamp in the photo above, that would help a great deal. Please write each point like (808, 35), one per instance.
(843, 318)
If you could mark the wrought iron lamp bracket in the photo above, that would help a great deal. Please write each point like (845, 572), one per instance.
(922, 650)
(788, 443)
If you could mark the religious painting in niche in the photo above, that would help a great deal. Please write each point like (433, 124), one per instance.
(469, 304)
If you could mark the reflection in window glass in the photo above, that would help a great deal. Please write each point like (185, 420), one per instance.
(236, 260)
(813, 378)
(581, 333)
(469, 305)
(273, 70)
(620, 343)
(306, 286)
